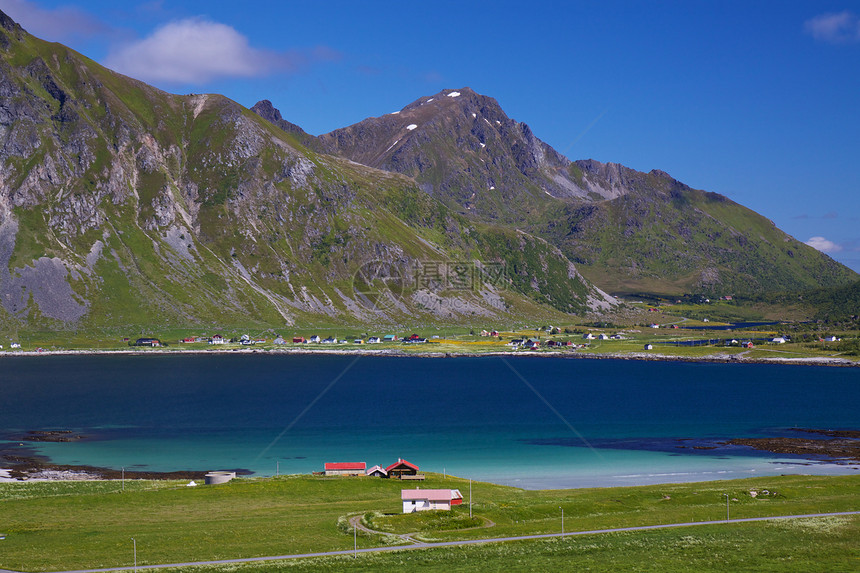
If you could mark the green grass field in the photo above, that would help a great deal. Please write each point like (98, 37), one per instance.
(74, 525)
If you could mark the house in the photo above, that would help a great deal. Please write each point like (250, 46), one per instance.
(153, 342)
(832, 339)
(376, 471)
(329, 340)
(299, 340)
(314, 338)
(217, 339)
(389, 338)
(653, 325)
(189, 340)
(15, 345)
(358, 341)
(748, 344)
(778, 340)
(602, 336)
(427, 499)
(531, 343)
(515, 342)
(345, 468)
(649, 347)
(279, 340)
(551, 343)
(494, 333)
(401, 468)
(374, 340)
(413, 338)
(588, 336)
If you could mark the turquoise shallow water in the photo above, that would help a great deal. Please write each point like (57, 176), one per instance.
(532, 422)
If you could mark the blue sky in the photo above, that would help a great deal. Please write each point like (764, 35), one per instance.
(754, 100)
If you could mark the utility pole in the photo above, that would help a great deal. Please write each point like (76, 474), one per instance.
(355, 540)
(278, 468)
(727, 506)
(123, 478)
(562, 520)
(470, 498)
(135, 552)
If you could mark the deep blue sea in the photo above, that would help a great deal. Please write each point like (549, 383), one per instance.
(535, 422)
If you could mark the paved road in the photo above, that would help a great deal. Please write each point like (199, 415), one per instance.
(420, 545)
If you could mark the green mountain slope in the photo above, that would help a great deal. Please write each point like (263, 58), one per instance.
(121, 204)
(663, 237)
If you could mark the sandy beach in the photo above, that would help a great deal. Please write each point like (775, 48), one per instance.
(646, 356)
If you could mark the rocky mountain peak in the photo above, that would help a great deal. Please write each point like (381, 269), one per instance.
(8, 23)
(267, 111)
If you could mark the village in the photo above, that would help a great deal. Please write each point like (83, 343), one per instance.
(560, 341)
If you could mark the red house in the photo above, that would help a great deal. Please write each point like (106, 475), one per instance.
(299, 340)
(401, 468)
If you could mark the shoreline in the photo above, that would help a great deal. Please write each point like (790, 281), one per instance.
(715, 358)
(816, 447)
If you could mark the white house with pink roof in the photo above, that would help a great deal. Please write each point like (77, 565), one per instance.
(427, 499)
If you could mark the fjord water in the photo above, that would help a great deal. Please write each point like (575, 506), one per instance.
(529, 421)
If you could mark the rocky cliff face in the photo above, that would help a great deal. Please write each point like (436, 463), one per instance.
(123, 204)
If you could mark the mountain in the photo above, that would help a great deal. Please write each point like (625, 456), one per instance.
(626, 230)
(461, 148)
(122, 206)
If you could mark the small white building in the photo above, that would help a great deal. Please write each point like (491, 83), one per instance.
(427, 499)
(217, 339)
(778, 340)
(314, 338)
(649, 347)
(376, 471)
(603, 336)
(374, 340)
(832, 339)
(588, 336)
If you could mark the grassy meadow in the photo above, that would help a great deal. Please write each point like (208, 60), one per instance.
(51, 526)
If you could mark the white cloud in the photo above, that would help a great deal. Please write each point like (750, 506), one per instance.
(823, 245)
(57, 25)
(834, 28)
(196, 51)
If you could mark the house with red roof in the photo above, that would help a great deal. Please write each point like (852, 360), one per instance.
(345, 468)
(427, 499)
(401, 468)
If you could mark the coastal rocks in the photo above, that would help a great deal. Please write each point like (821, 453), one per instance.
(52, 436)
(844, 445)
